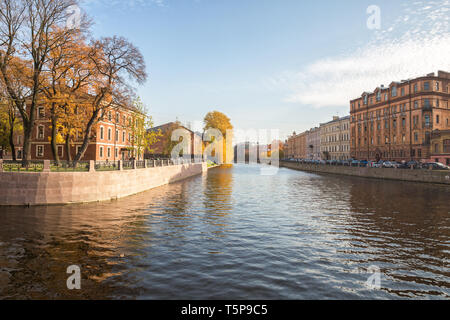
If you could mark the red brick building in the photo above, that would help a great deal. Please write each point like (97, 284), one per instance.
(112, 137)
(396, 122)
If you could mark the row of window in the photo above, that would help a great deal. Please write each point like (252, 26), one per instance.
(394, 93)
(401, 108)
(109, 135)
(107, 152)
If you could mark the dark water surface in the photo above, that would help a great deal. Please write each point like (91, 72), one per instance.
(235, 234)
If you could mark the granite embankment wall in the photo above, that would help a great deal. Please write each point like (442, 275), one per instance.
(428, 176)
(50, 188)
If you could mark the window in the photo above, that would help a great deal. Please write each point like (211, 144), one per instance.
(426, 102)
(117, 135)
(403, 138)
(117, 153)
(109, 152)
(416, 137)
(365, 99)
(394, 91)
(427, 120)
(426, 86)
(109, 133)
(40, 132)
(446, 146)
(60, 151)
(117, 117)
(436, 148)
(437, 86)
(123, 136)
(416, 88)
(416, 104)
(378, 96)
(403, 91)
(39, 151)
(403, 122)
(41, 112)
(101, 152)
(437, 119)
(109, 116)
(102, 136)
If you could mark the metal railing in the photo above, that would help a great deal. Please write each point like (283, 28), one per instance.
(106, 165)
(69, 166)
(127, 165)
(85, 166)
(16, 166)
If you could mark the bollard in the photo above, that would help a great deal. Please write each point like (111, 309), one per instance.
(91, 166)
(145, 164)
(120, 164)
(46, 165)
(134, 164)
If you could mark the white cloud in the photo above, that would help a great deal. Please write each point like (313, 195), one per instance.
(421, 45)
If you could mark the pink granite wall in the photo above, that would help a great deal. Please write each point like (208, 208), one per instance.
(48, 188)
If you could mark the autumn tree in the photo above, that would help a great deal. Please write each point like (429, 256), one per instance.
(116, 61)
(68, 71)
(26, 33)
(219, 121)
(142, 135)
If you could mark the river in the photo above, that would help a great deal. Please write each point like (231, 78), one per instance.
(237, 234)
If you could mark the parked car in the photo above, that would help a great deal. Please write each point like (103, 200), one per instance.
(355, 163)
(414, 164)
(378, 164)
(437, 166)
(371, 164)
(363, 163)
(388, 164)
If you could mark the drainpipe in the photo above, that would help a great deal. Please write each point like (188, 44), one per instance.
(410, 121)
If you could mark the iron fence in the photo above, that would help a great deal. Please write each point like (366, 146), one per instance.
(127, 165)
(16, 166)
(69, 166)
(106, 165)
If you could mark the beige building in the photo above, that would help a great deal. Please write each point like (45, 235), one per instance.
(297, 146)
(335, 139)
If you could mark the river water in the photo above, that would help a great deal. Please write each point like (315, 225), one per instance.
(237, 234)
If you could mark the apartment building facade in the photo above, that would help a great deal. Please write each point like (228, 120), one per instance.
(396, 122)
(111, 139)
(297, 146)
(313, 151)
(335, 139)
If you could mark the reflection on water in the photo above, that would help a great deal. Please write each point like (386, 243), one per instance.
(234, 234)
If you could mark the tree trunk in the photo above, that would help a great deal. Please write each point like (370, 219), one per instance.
(69, 156)
(26, 152)
(87, 136)
(11, 142)
(54, 136)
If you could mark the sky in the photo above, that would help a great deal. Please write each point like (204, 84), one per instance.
(273, 64)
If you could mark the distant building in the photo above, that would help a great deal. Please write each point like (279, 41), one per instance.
(335, 139)
(396, 122)
(313, 144)
(297, 146)
(163, 147)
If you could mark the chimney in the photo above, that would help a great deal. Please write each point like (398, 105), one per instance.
(335, 118)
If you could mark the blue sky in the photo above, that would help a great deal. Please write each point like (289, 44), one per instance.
(272, 64)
